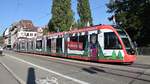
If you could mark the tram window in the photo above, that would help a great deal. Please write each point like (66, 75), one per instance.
(31, 44)
(83, 39)
(59, 45)
(28, 45)
(111, 41)
(74, 38)
(80, 39)
(48, 43)
(39, 44)
(23, 45)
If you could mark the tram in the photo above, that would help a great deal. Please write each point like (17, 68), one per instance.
(100, 43)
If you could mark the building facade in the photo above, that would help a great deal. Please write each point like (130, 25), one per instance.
(6, 39)
(24, 29)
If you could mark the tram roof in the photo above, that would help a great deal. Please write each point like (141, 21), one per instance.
(95, 27)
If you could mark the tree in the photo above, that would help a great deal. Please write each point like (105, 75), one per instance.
(45, 31)
(62, 16)
(84, 12)
(133, 15)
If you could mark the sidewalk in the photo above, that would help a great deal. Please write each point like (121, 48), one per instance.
(144, 59)
(6, 77)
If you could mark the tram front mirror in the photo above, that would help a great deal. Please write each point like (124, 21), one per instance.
(132, 51)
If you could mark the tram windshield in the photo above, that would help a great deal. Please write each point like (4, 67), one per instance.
(127, 41)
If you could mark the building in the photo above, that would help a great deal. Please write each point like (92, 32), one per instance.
(6, 39)
(24, 29)
(40, 31)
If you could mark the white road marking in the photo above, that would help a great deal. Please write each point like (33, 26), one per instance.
(13, 74)
(48, 70)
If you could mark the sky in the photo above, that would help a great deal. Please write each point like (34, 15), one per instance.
(39, 11)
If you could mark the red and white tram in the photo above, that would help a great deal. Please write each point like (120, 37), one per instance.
(102, 43)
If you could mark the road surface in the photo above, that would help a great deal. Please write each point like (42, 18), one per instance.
(33, 69)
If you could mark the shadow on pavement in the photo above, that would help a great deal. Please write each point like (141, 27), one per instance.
(89, 70)
(31, 76)
(93, 70)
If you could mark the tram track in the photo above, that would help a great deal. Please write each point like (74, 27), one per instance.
(138, 65)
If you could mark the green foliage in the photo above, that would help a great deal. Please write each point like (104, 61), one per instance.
(133, 15)
(84, 12)
(45, 31)
(51, 26)
(62, 16)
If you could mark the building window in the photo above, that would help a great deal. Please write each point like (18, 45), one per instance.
(31, 34)
(21, 33)
(27, 34)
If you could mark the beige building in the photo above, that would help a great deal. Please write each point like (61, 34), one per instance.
(6, 38)
(24, 29)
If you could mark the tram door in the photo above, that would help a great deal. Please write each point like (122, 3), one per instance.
(59, 45)
(93, 47)
(48, 45)
(53, 46)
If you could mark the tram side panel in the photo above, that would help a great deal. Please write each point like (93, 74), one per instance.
(110, 48)
(100, 46)
(78, 45)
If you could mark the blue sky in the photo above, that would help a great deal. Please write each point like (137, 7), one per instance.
(39, 11)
